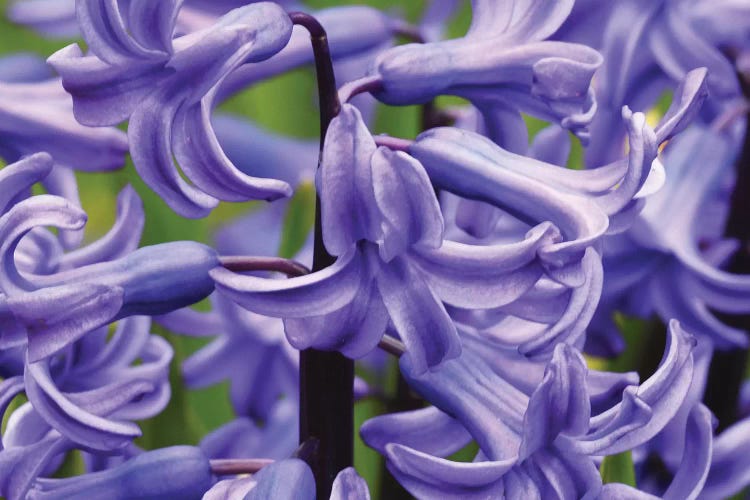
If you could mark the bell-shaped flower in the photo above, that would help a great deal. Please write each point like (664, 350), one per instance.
(53, 310)
(539, 442)
(585, 205)
(503, 65)
(166, 88)
(249, 350)
(647, 46)
(381, 218)
(676, 247)
(92, 392)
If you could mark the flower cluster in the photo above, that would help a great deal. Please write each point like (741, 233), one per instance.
(526, 255)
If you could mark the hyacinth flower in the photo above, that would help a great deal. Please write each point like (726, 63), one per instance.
(675, 253)
(289, 479)
(552, 147)
(503, 65)
(381, 218)
(92, 392)
(260, 153)
(87, 397)
(51, 311)
(165, 88)
(249, 350)
(536, 444)
(647, 46)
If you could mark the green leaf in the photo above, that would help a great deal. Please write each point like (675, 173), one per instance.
(618, 469)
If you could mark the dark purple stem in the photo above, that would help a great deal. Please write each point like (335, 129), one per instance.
(240, 264)
(234, 466)
(326, 378)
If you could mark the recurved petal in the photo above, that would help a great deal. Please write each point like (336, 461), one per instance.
(578, 314)
(559, 405)
(489, 407)
(42, 210)
(55, 317)
(428, 430)
(535, 20)
(108, 36)
(152, 23)
(409, 210)
(476, 277)
(18, 177)
(696, 458)
(150, 134)
(687, 101)
(76, 423)
(345, 185)
(353, 330)
(321, 292)
(201, 157)
(105, 94)
(426, 476)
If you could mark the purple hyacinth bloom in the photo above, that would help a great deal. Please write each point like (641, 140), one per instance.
(166, 88)
(381, 218)
(503, 65)
(536, 439)
(177, 472)
(676, 252)
(55, 309)
(92, 392)
(86, 397)
(646, 47)
(249, 350)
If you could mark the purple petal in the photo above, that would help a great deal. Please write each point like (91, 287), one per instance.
(349, 485)
(428, 430)
(418, 316)
(318, 293)
(409, 209)
(559, 405)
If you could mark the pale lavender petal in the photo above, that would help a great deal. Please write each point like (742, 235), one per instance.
(429, 334)
(318, 293)
(349, 485)
(428, 430)
(468, 275)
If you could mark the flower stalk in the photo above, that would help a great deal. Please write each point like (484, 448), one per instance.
(326, 378)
